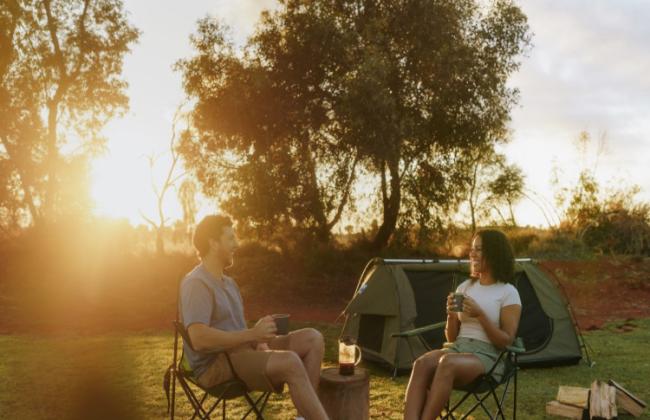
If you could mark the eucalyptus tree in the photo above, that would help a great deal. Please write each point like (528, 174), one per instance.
(60, 82)
(326, 87)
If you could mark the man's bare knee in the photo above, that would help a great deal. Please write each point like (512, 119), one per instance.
(286, 366)
(314, 338)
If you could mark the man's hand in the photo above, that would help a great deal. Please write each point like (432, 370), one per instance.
(262, 347)
(265, 329)
(471, 308)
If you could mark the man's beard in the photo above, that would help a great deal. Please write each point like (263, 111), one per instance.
(226, 259)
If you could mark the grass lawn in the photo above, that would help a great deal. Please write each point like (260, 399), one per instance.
(120, 376)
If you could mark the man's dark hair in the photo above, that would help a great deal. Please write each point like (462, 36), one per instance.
(211, 227)
(497, 254)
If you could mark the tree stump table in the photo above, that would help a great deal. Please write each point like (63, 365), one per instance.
(345, 397)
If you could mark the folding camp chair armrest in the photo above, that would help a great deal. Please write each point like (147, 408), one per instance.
(515, 349)
(418, 331)
(517, 346)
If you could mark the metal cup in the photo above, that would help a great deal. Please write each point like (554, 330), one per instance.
(458, 302)
(281, 323)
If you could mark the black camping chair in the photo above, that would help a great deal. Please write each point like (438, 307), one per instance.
(203, 407)
(485, 385)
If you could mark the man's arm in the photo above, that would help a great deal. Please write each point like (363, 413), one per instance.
(205, 338)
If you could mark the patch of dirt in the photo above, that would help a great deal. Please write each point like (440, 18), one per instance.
(605, 290)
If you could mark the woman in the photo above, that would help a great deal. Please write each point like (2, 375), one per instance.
(487, 324)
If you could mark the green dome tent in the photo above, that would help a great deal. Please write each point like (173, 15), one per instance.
(394, 296)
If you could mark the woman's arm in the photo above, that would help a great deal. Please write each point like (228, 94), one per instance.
(503, 335)
(453, 323)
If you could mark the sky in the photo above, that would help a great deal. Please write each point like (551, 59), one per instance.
(587, 70)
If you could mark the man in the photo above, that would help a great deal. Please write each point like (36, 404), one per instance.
(212, 312)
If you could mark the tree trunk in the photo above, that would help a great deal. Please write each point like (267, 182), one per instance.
(52, 161)
(472, 204)
(391, 203)
(512, 215)
(313, 195)
(160, 242)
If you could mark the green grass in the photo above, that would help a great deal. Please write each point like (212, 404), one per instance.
(120, 376)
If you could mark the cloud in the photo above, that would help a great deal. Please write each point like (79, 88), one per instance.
(586, 71)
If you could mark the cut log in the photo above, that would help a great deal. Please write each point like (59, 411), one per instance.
(345, 397)
(573, 395)
(556, 408)
(627, 401)
(602, 401)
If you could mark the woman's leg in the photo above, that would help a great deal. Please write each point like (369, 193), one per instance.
(453, 369)
(421, 375)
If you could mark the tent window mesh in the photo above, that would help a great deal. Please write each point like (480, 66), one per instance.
(371, 332)
(430, 289)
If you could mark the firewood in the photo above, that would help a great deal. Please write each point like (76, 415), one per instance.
(628, 401)
(556, 408)
(602, 401)
(573, 395)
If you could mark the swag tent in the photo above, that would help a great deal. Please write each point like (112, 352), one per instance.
(394, 296)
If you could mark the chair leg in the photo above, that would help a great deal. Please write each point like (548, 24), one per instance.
(200, 411)
(173, 402)
(514, 404)
(499, 405)
(191, 397)
(214, 406)
(479, 402)
(254, 408)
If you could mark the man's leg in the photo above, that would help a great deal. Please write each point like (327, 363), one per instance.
(309, 345)
(287, 367)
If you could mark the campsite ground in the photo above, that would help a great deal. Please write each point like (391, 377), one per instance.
(120, 376)
(53, 372)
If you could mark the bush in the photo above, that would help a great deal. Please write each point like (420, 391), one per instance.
(620, 230)
(558, 244)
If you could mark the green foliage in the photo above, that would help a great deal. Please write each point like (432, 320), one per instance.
(324, 89)
(621, 227)
(59, 85)
(607, 220)
(548, 244)
(615, 224)
(491, 184)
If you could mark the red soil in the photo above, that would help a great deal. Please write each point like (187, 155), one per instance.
(605, 290)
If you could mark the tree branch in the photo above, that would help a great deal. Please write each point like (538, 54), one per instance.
(346, 193)
(51, 26)
(82, 33)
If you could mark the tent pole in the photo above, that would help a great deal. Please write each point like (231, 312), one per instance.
(574, 320)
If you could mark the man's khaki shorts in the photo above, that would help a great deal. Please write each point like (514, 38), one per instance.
(250, 365)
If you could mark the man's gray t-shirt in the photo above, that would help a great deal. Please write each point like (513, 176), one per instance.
(213, 302)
